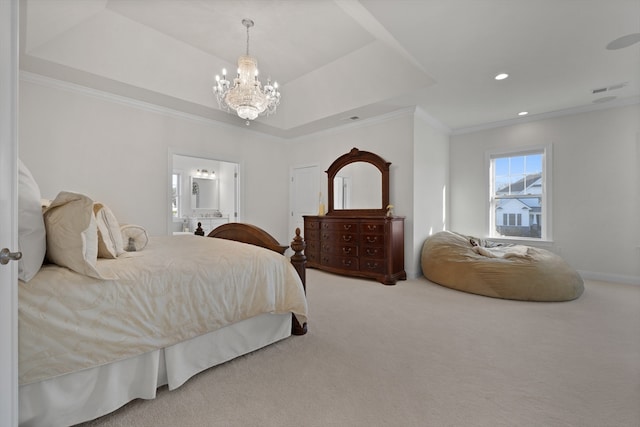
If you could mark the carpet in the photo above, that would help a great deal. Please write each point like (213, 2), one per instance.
(419, 354)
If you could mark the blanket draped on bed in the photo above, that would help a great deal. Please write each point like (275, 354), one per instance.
(179, 287)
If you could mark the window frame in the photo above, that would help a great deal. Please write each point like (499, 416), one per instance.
(547, 185)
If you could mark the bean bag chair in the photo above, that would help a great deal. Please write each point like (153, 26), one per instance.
(506, 271)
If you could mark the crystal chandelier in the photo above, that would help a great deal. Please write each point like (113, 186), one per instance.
(247, 97)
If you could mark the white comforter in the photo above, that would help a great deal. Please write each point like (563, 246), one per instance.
(178, 287)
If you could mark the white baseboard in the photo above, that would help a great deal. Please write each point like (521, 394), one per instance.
(608, 277)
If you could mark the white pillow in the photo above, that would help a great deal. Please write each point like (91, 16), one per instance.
(31, 232)
(72, 233)
(109, 236)
(134, 235)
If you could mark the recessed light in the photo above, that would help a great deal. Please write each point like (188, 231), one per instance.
(523, 113)
(501, 76)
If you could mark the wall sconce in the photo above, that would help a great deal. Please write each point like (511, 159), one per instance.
(204, 173)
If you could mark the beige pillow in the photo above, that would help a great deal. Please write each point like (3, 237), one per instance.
(109, 236)
(134, 237)
(72, 233)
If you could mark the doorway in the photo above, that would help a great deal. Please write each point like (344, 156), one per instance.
(305, 194)
(202, 188)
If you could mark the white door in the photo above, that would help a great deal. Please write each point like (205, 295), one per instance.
(8, 212)
(305, 195)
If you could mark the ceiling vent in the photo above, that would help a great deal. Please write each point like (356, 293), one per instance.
(609, 88)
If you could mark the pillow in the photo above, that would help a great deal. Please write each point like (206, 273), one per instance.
(72, 233)
(31, 232)
(109, 236)
(45, 203)
(134, 237)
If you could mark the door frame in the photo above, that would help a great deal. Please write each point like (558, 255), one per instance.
(9, 211)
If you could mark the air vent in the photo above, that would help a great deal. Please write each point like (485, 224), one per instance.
(609, 88)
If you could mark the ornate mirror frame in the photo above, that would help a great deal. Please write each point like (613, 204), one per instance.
(354, 156)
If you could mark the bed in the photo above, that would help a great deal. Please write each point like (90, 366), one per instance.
(99, 333)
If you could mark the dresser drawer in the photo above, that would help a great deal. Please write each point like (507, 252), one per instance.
(312, 257)
(372, 239)
(373, 252)
(312, 246)
(339, 249)
(372, 265)
(342, 262)
(339, 237)
(311, 234)
(311, 225)
(339, 226)
(372, 227)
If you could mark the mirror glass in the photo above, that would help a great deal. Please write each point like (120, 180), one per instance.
(204, 193)
(358, 186)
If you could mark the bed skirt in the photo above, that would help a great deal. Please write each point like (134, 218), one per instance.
(88, 394)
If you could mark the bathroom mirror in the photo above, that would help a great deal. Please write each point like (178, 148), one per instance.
(205, 193)
(358, 184)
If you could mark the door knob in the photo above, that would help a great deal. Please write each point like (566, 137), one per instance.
(6, 256)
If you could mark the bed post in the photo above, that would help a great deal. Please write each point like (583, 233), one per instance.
(299, 261)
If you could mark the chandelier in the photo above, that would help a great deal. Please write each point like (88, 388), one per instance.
(247, 96)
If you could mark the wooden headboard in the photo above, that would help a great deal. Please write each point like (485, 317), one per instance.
(247, 233)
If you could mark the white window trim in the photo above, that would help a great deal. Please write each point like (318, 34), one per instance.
(180, 173)
(547, 173)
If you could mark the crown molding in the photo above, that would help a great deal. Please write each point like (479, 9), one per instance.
(623, 102)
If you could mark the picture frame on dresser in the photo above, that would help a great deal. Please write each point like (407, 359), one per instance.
(357, 237)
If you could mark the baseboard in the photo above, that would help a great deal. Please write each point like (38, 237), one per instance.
(608, 277)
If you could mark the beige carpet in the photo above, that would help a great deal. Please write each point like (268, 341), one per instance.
(418, 354)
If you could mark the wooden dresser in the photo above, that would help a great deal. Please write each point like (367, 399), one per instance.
(363, 246)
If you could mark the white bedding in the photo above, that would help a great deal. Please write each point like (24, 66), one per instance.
(177, 288)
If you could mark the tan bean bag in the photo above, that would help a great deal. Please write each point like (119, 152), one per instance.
(507, 271)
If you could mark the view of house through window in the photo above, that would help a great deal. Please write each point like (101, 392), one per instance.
(518, 197)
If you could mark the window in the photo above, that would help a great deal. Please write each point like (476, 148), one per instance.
(519, 193)
(176, 179)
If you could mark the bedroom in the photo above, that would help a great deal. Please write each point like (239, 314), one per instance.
(116, 148)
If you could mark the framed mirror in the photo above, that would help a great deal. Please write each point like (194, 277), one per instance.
(358, 184)
(205, 193)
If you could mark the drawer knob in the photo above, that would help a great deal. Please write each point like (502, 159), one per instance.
(347, 226)
(372, 227)
(371, 251)
(347, 238)
(372, 239)
(346, 262)
(346, 250)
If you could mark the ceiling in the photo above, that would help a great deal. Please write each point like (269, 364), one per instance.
(336, 60)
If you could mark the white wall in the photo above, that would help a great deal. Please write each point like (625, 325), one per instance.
(596, 186)
(431, 183)
(118, 153)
